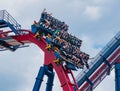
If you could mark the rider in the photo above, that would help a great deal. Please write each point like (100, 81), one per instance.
(48, 40)
(57, 55)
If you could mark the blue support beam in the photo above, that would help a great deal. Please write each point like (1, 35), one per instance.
(39, 79)
(48, 71)
(50, 82)
(117, 77)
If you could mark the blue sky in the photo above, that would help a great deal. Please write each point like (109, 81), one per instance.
(93, 21)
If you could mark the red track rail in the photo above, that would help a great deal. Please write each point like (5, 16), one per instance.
(62, 73)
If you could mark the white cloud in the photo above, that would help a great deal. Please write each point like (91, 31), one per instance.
(92, 13)
(76, 6)
(88, 46)
(100, 1)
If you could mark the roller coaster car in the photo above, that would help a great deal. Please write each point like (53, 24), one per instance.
(72, 62)
(57, 38)
(69, 62)
(52, 44)
(40, 29)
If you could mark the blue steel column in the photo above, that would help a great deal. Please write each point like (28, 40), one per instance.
(50, 82)
(117, 77)
(39, 79)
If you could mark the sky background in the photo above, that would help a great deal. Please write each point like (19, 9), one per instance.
(93, 21)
